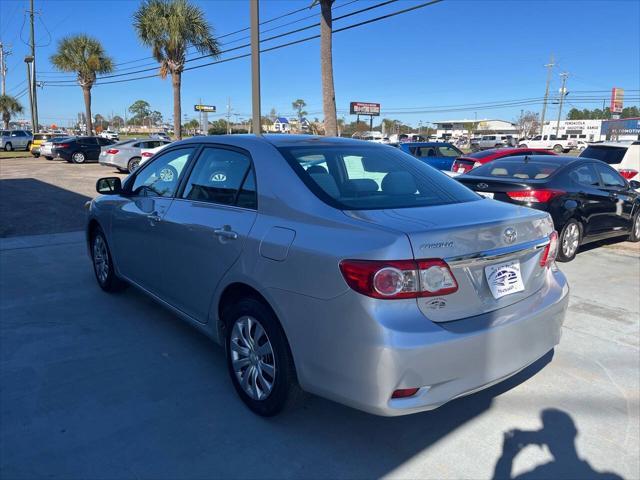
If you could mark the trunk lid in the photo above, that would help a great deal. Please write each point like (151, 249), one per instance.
(470, 237)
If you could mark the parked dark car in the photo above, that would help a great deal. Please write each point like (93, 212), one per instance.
(80, 149)
(467, 162)
(439, 155)
(587, 199)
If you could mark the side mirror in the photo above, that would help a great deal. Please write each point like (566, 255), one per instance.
(109, 186)
(634, 184)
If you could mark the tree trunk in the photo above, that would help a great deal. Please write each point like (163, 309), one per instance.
(326, 63)
(87, 109)
(6, 118)
(176, 79)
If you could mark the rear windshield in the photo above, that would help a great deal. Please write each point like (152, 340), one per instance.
(517, 168)
(610, 155)
(41, 136)
(372, 178)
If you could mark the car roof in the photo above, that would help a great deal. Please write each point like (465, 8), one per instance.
(426, 144)
(278, 140)
(626, 144)
(544, 158)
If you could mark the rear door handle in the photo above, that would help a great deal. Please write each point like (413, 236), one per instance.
(226, 232)
(154, 217)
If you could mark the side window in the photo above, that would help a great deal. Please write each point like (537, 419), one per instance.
(222, 176)
(160, 177)
(585, 175)
(89, 141)
(610, 178)
(449, 152)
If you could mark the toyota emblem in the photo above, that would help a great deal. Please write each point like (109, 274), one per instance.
(510, 235)
(482, 186)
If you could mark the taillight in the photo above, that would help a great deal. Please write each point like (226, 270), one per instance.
(535, 196)
(112, 151)
(61, 145)
(628, 173)
(399, 278)
(550, 251)
(404, 392)
(147, 154)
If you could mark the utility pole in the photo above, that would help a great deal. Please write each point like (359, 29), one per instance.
(564, 76)
(549, 66)
(34, 94)
(3, 65)
(228, 115)
(255, 65)
(28, 60)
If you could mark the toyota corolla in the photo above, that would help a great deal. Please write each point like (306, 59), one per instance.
(339, 267)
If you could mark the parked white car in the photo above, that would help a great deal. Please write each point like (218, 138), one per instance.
(110, 134)
(550, 142)
(623, 156)
(147, 153)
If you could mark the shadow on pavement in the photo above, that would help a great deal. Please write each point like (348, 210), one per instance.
(31, 207)
(558, 433)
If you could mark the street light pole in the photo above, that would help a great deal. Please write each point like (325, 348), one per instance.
(255, 65)
(562, 95)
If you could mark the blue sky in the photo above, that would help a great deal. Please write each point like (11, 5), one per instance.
(452, 53)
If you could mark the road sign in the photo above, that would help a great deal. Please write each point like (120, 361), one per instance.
(363, 108)
(204, 108)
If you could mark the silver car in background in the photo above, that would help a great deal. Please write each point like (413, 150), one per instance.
(340, 267)
(15, 140)
(126, 155)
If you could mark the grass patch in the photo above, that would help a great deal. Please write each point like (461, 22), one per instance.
(18, 154)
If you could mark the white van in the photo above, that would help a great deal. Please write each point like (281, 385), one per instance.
(623, 156)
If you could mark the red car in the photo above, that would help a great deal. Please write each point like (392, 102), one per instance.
(473, 160)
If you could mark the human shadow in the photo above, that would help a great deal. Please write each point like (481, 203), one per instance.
(558, 433)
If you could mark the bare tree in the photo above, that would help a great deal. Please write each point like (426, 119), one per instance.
(528, 123)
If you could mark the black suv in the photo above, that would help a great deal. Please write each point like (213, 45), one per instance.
(80, 149)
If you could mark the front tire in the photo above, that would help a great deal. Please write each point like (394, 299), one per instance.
(78, 157)
(8, 147)
(258, 357)
(103, 263)
(570, 239)
(635, 229)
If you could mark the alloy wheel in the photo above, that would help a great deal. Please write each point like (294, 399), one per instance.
(100, 259)
(78, 157)
(570, 240)
(636, 227)
(252, 358)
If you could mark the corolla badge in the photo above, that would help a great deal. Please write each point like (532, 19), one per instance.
(510, 235)
(218, 177)
(482, 185)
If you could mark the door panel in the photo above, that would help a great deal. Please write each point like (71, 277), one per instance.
(595, 204)
(615, 187)
(203, 233)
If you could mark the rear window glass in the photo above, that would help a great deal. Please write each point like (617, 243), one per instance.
(517, 168)
(41, 136)
(372, 178)
(610, 155)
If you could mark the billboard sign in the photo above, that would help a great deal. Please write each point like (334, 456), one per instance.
(204, 108)
(363, 108)
(617, 97)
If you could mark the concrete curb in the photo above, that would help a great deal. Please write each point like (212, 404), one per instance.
(47, 240)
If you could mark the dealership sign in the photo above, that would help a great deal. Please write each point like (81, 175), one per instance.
(362, 108)
(617, 96)
(204, 108)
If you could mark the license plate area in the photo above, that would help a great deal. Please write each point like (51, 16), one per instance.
(504, 278)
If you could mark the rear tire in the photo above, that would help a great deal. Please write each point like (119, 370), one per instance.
(78, 157)
(103, 266)
(522, 145)
(635, 229)
(569, 241)
(259, 361)
(28, 147)
(558, 148)
(133, 164)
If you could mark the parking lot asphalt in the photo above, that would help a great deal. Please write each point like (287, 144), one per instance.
(94, 385)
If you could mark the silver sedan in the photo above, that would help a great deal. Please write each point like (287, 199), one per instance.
(340, 267)
(126, 155)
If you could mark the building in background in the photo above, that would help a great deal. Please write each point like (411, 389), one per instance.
(460, 128)
(623, 129)
(587, 130)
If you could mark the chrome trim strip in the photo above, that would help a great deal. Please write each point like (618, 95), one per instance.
(502, 253)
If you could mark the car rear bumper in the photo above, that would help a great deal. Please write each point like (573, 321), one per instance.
(112, 161)
(360, 355)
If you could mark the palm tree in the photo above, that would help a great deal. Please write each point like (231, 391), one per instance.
(85, 56)
(326, 65)
(298, 106)
(9, 106)
(170, 27)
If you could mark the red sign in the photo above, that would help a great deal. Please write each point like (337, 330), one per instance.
(617, 97)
